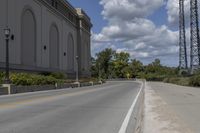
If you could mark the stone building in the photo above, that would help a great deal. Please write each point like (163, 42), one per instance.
(46, 36)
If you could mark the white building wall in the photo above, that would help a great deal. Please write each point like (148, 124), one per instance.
(2, 26)
(45, 17)
(68, 29)
(15, 9)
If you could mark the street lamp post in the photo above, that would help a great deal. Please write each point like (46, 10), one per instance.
(99, 72)
(7, 35)
(77, 78)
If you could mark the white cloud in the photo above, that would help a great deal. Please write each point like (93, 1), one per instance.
(129, 30)
(128, 9)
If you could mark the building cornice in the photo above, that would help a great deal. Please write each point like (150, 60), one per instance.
(82, 15)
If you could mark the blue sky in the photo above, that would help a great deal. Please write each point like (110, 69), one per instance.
(159, 17)
(146, 29)
(93, 9)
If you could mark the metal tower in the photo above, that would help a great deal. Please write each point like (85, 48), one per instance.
(195, 44)
(183, 63)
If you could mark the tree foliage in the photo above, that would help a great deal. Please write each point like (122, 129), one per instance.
(101, 66)
(110, 64)
(121, 64)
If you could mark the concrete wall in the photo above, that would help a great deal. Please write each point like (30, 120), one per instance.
(44, 17)
(24, 89)
(3, 91)
(86, 56)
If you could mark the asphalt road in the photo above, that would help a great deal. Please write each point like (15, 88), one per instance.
(184, 101)
(98, 109)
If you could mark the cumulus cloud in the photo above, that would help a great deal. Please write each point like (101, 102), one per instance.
(129, 30)
(128, 9)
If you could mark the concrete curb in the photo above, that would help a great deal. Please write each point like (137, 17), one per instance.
(135, 123)
(24, 89)
(140, 110)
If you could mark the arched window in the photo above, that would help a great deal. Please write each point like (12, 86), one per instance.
(54, 46)
(70, 51)
(28, 38)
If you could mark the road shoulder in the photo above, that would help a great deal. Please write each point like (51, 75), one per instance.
(159, 117)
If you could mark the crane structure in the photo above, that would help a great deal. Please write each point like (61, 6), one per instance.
(195, 42)
(183, 63)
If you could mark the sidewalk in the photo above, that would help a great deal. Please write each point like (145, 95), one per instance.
(159, 117)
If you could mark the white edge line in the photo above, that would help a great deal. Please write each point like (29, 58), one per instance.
(128, 116)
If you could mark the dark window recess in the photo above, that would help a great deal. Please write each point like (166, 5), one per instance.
(12, 37)
(56, 5)
(45, 47)
(52, 2)
(65, 54)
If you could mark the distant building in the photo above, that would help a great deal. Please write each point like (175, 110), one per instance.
(47, 35)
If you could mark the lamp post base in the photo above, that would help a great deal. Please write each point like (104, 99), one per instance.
(77, 83)
(7, 86)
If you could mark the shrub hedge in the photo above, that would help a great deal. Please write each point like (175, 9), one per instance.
(152, 77)
(184, 81)
(195, 81)
(30, 79)
(27, 79)
(174, 79)
(1, 77)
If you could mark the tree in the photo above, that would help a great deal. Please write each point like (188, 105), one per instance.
(94, 68)
(156, 62)
(103, 62)
(120, 63)
(109, 64)
(136, 67)
(154, 67)
(122, 56)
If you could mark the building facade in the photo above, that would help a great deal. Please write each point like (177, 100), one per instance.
(46, 36)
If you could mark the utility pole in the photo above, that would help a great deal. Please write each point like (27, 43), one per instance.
(195, 44)
(183, 63)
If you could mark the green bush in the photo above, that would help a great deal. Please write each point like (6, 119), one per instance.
(83, 80)
(1, 77)
(27, 79)
(152, 76)
(184, 81)
(58, 75)
(195, 81)
(32, 79)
